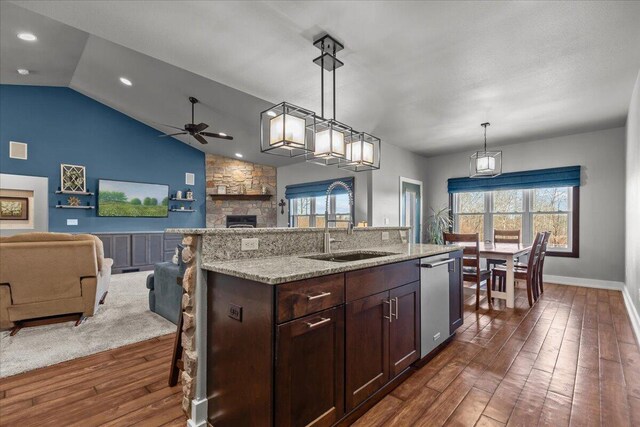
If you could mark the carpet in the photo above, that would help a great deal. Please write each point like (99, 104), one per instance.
(123, 319)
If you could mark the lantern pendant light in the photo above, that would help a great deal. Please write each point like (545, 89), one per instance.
(485, 164)
(291, 131)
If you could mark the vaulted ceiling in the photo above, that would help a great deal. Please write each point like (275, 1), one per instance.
(420, 75)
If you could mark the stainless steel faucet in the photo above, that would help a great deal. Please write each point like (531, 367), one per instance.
(327, 237)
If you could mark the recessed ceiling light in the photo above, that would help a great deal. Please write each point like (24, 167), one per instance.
(125, 81)
(271, 114)
(222, 134)
(27, 37)
(23, 71)
(239, 155)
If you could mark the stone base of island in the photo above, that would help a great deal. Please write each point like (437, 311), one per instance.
(276, 332)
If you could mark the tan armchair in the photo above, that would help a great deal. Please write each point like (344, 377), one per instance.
(49, 274)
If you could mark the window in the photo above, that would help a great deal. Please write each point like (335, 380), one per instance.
(531, 211)
(307, 212)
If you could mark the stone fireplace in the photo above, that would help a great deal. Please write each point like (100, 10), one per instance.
(233, 174)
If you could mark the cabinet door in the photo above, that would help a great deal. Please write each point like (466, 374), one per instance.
(367, 348)
(456, 295)
(121, 246)
(310, 370)
(404, 328)
(155, 248)
(140, 249)
(107, 241)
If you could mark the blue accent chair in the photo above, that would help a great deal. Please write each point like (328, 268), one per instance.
(165, 294)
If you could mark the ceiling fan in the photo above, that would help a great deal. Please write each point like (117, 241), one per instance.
(196, 130)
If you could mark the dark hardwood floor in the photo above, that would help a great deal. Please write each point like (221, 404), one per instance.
(572, 359)
(126, 386)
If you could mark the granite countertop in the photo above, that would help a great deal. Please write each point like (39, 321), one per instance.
(282, 269)
(270, 230)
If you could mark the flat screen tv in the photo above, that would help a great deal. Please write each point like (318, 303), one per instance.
(132, 199)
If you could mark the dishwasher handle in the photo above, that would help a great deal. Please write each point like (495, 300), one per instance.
(437, 264)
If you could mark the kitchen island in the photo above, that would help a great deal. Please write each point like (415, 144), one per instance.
(295, 336)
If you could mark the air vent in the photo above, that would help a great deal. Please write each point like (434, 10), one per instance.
(17, 150)
(189, 178)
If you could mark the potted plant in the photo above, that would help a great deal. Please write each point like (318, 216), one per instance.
(438, 222)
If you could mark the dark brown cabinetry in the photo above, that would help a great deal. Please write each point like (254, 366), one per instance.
(404, 327)
(311, 352)
(367, 349)
(309, 381)
(456, 293)
(138, 251)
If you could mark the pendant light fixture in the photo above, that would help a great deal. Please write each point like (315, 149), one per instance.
(485, 164)
(293, 131)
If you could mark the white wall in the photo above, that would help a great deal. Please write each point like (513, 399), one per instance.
(310, 172)
(632, 244)
(601, 155)
(385, 197)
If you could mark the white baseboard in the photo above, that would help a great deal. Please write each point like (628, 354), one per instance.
(198, 413)
(633, 313)
(587, 283)
(603, 284)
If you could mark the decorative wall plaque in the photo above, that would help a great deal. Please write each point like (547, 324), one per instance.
(73, 179)
(14, 208)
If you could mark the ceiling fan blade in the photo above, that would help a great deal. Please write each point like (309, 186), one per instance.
(200, 139)
(216, 135)
(169, 126)
(173, 134)
(201, 127)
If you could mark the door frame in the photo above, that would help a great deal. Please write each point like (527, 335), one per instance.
(418, 183)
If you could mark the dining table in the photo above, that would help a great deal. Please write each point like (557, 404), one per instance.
(506, 252)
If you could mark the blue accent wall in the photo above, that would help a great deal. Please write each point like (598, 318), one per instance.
(61, 125)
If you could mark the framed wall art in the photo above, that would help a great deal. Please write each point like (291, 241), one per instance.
(14, 208)
(73, 179)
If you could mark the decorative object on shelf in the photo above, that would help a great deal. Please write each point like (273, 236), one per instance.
(73, 201)
(291, 131)
(73, 179)
(282, 204)
(14, 208)
(242, 189)
(196, 130)
(264, 190)
(222, 189)
(485, 164)
(178, 194)
(189, 195)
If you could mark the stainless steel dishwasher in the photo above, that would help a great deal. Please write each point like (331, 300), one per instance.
(434, 301)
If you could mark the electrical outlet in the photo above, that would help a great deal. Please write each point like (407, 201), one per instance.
(385, 235)
(436, 337)
(72, 222)
(249, 244)
(386, 221)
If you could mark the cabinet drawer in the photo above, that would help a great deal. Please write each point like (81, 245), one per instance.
(369, 281)
(296, 299)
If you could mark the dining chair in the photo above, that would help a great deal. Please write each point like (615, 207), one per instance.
(543, 253)
(528, 274)
(471, 268)
(503, 236)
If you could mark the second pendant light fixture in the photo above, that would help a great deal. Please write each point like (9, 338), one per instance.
(291, 131)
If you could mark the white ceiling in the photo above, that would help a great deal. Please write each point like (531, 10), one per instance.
(421, 75)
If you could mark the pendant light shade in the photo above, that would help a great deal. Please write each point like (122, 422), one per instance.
(330, 142)
(363, 153)
(286, 130)
(485, 164)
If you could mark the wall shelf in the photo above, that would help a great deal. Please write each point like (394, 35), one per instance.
(76, 193)
(74, 207)
(182, 200)
(182, 210)
(241, 196)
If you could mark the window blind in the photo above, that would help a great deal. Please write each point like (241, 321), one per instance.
(568, 176)
(317, 188)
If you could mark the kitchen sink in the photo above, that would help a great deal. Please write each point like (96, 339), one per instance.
(351, 256)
